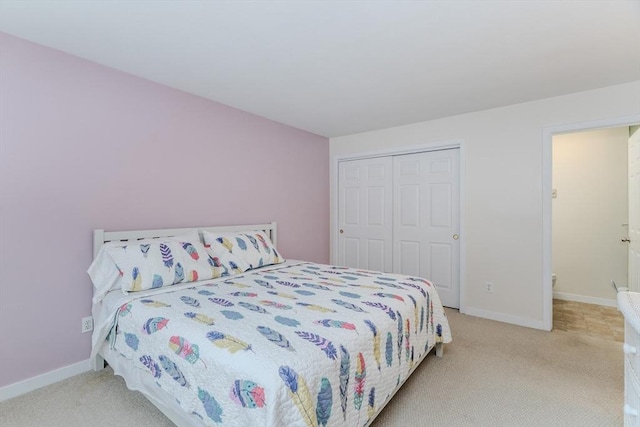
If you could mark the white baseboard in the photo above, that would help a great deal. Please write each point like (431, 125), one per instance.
(506, 318)
(34, 383)
(582, 298)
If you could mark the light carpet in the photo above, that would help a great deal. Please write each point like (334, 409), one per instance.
(492, 374)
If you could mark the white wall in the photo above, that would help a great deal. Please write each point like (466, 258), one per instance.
(590, 176)
(503, 202)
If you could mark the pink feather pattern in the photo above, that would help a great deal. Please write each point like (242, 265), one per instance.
(359, 380)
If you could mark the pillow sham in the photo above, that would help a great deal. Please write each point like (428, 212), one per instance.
(150, 263)
(104, 273)
(249, 249)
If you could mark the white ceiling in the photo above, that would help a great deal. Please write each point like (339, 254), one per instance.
(341, 67)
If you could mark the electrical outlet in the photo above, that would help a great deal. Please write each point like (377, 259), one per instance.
(488, 287)
(87, 324)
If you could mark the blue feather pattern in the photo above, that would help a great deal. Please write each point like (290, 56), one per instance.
(191, 250)
(157, 281)
(252, 307)
(283, 295)
(289, 284)
(299, 393)
(407, 335)
(241, 243)
(131, 340)
(315, 286)
(206, 292)
(228, 342)
(325, 402)
(349, 294)
(221, 301)
(254, 242)
(154, 324)
(372, 402)
(345, 365)
(151, 365)
(290, 378)
(413, 285)
(211, 406)
(275, 338)
(190, 301)
(371, 326)
(200, 318)
(244, 294)
(144, 248)
(388, 352)
(323, 343)
(382, 307)
(171, 369)
(376, 341)
(264, 283)
(232, 315)
(179, 274)
(400, 329)
(167, 257)
(348, 305)
(430, 312)
(413, 300)
(391, 285)
(287, 321)
(421, 318)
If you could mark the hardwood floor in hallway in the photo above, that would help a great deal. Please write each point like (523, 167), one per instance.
(588, 319)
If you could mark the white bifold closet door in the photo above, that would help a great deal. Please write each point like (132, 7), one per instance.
(365, 214)
(426, 216)
(400, 214)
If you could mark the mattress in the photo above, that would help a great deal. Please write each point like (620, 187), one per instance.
(299, 344)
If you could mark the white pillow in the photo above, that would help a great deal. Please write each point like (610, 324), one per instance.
(185, 260)
(248, 249)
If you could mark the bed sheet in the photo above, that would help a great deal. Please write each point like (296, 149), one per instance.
(302, 344)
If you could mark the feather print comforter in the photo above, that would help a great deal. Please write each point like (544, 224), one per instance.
(301, 345)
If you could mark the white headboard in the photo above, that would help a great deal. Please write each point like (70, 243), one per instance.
(101, 236)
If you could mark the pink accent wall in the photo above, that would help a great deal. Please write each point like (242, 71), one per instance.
(83, 146)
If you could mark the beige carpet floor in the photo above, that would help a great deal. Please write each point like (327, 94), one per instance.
(493, 374)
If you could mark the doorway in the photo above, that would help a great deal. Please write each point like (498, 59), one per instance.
(590, 215)
(547, 190)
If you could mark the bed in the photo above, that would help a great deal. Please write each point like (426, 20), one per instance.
(214, 327)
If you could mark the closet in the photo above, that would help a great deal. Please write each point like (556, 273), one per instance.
(400, 214)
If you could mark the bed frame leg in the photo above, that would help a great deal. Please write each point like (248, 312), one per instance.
(439, 349)
(97, 363)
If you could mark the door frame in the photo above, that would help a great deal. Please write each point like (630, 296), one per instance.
(396, 151)
(548, 133)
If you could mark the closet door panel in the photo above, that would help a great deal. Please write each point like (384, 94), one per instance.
(365, 214)
(426, 212)
(440, 263)
(440, 205)
(409, 257)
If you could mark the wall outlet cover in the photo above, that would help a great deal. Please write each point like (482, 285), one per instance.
(87, 324)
